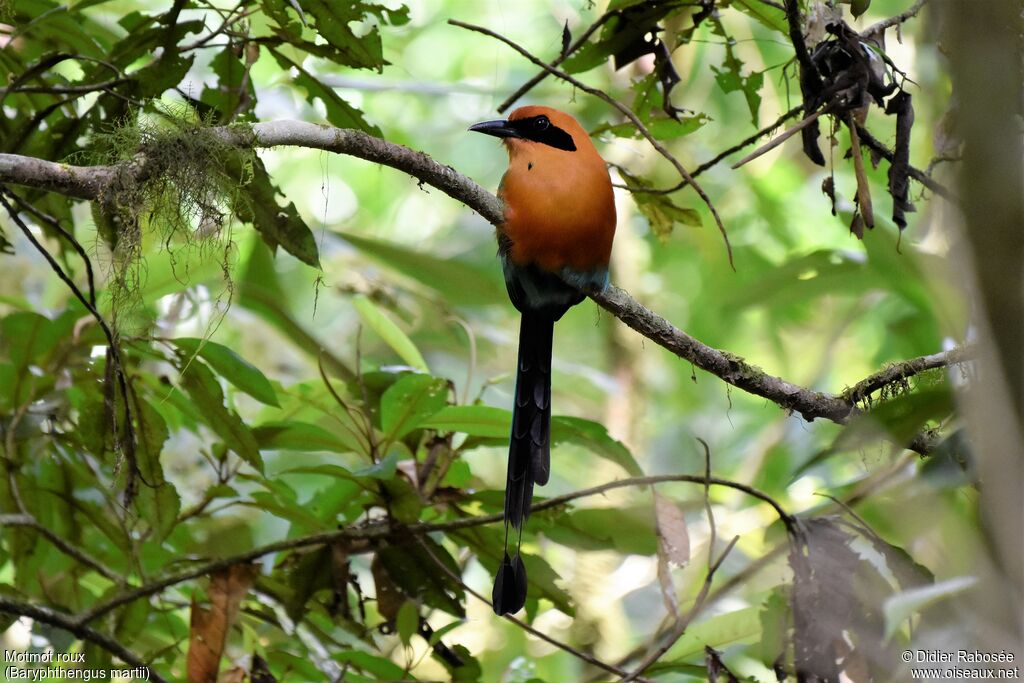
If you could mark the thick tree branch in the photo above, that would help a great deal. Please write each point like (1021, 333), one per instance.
(89, 183)
(63, 621)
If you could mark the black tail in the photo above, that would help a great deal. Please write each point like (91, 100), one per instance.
(529, 452)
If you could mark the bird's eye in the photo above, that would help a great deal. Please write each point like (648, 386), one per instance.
(541, 123)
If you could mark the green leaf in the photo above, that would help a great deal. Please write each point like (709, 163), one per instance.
(384, 669)
(901, 606)
(775, 617)
(859, 7)
(627, 530)
(293, 435)
(379, 322)
(594, 437)
(774, 19)
(717, 632)
(278, 225)
(262, 293)
(151, 433)
(339, 112)
(234, 93)
(901, 418)
(414, 568)
(159, 507)
(478, 420)
(407, 623)
(231, 367)
(383, 470)
(660, 128)
(457, 282)
(403, 499)
(201, 385)
(26, 337)
(659, 210)
(409, 401)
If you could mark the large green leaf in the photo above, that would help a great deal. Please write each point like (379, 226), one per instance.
(594, 437)
(409, 401)
(231, 367)
(200, 384)
(278, 225)
(391, 333)
(625, 529)
(293, 435)
(339, 112)
(457, 282)
(478, 420)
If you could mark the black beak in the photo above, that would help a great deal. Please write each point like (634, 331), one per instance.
(499, 129)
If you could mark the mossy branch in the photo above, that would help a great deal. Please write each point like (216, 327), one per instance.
(90, 182)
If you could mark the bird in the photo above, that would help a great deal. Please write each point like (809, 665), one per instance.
(554, 243)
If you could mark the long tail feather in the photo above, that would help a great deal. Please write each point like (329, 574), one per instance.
(529, 453)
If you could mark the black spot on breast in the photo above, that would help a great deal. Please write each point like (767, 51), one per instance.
(529, 166)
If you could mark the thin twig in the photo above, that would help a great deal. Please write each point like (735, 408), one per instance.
(63, 621)
(64, 89)
(625, 111)
(872, 143)
(375, 531)
(715, 160)
(778, 140)
(114, 348)
(29, 521)
(900, 18)
(66, 234)
(680, 627)
(579, 654)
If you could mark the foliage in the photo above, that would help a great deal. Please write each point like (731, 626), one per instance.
(326, 420)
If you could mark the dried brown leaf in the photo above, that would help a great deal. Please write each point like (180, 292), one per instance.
(209, 628)
(673, 536)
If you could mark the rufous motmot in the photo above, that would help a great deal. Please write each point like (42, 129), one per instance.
(554, 243)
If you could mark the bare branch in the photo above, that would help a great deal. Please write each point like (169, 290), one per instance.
(529, 85)
(900, 18)
(89, 183)
(377, 531)
(29, 521)
(904, 369)
(67, 623)
(872, 143)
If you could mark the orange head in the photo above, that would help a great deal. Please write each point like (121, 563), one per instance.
(559, 205)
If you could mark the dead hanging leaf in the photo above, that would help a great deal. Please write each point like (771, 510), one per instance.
(389, 596)
(673, 546)
(716, 667)
(209, 628)
(899, 170)
(828, 187)
(673, 537)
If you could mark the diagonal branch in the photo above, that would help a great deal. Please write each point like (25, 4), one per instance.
(67, 623)
(89, 183)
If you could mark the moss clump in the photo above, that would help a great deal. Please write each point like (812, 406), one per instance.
(177, 183)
